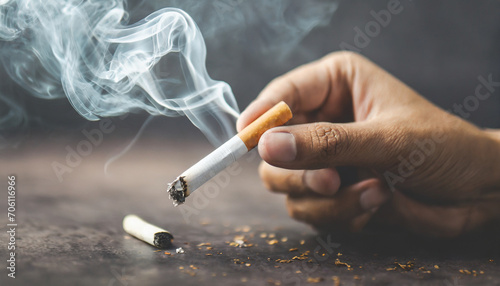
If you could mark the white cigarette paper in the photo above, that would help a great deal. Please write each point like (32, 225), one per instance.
(214, 163)
(147, 232)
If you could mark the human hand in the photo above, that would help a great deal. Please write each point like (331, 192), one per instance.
(419, 167)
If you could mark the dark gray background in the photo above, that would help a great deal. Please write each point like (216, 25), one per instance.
(438, 48)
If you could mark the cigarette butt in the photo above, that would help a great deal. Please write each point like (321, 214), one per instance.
(276, 116)
(147, 232)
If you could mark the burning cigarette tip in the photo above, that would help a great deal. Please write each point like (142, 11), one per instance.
(177, 191)
(140, 229)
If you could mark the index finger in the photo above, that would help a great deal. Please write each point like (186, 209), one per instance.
(303, 89)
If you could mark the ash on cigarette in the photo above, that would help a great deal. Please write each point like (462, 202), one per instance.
(177, 191)
(163, 240)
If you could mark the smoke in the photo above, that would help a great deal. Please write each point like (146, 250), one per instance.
(87, 52)
(264, 28)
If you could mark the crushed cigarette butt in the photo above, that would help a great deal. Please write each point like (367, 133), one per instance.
(180, 250)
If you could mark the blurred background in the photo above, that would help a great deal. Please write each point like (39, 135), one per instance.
(437, 48)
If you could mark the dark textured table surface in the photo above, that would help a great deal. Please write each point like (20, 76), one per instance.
(70, 233)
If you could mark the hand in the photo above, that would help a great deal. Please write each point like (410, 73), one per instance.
(419, 167)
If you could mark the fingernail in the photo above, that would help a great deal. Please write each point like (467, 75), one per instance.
(372, 199)
(279, 146)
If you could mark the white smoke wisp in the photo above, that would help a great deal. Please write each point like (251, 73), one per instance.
(269, 29)
(86, 51)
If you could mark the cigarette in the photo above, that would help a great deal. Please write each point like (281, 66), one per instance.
(227, 153)
(147, 232)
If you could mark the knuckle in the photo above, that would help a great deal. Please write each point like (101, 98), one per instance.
(289, 90)
(328, 140)
(348, 58)
(346, 63)
(400, 138)
(277, 82)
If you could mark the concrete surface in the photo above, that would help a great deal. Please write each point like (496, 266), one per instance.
(69, 232)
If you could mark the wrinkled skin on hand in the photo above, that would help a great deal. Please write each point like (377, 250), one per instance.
(418, 166)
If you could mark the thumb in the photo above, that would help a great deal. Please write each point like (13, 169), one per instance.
(324, 145)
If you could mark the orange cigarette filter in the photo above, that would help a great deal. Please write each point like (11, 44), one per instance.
(227, 153)
(276, 116)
